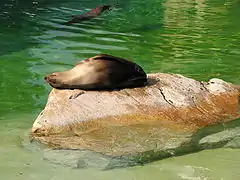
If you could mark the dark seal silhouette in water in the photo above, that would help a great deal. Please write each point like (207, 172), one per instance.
(89, 15)
(101, 72)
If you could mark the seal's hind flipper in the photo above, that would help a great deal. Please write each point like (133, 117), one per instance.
(133, 83)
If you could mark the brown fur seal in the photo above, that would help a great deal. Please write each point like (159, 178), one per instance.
(100, 72)
(89, 15)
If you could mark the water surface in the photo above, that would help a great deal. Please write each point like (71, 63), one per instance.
(199, 39)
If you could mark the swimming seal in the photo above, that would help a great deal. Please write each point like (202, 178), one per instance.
(89, 15)
(100, 72)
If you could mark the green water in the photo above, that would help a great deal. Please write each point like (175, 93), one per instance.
(199, 39)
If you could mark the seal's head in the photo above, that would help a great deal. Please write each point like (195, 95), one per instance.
(56, 80)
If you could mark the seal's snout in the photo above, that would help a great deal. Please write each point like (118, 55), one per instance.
(51, 79)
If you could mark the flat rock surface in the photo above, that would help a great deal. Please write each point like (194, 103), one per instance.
(163, 118)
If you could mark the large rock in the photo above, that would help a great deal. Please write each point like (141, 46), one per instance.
(165, 118)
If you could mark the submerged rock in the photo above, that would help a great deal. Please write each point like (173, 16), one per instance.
(139, 125)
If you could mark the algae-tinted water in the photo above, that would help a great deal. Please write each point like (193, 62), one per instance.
(199, 39)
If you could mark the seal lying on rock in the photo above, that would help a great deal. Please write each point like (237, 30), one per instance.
(89, 15)
(100, 72)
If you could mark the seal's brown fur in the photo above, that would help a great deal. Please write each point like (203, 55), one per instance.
(89, 15)
(99, 72)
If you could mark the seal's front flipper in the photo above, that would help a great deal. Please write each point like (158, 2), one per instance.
(74, 96)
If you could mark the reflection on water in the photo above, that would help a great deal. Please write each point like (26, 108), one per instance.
(196, 38)
(22, 162)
